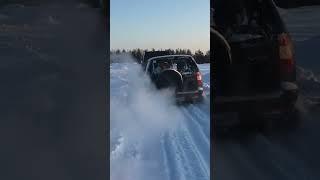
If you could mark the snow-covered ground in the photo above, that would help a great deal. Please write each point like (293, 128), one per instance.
(151, 138)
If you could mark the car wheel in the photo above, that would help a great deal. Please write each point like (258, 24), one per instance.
(170, 79)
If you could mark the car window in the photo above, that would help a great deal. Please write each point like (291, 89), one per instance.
(245, 17)
(181, 64)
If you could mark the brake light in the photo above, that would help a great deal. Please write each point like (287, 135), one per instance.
(286, 53)
(199, 78)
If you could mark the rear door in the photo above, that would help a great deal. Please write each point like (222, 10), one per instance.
(251, 30)
(188, 69)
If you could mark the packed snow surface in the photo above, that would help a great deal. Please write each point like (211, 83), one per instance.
(151, 137)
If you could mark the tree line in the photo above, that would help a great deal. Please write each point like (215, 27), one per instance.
(199, 56)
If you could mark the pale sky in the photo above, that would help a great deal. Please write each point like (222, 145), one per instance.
(160, 24)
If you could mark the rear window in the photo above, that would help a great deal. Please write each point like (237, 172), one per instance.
(256, 17)
(185, 65)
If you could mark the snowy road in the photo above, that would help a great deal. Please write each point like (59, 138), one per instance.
(282, 153)
(151, 138)
(52, 91)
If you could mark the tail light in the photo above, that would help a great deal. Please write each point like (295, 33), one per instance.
(199, 78)
(286, 54)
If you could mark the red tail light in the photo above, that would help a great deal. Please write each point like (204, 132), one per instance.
(199, 78)
(286, 53)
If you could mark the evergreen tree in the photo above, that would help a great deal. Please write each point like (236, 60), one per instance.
(171, 51)
(199, 56)
(138, 54)
(207, 57)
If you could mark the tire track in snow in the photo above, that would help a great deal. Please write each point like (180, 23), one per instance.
(282, 158)
(195, 121)
(281, 162)
(186, 150)
(234, 163)
(263, 159)
(194, 166)
(181, 152)
(166, 164)
(202, 117)
(197, 138)
(173, 155)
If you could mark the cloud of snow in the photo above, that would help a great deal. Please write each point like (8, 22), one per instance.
(139, 116)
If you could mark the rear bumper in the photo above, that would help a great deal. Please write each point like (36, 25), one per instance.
(190, 95)
(277, 100)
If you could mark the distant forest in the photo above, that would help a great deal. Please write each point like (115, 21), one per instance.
(199, 56)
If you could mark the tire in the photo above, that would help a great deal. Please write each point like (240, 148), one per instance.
(170, 79)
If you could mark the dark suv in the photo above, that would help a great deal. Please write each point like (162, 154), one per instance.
(254, 71)
(179, 72)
